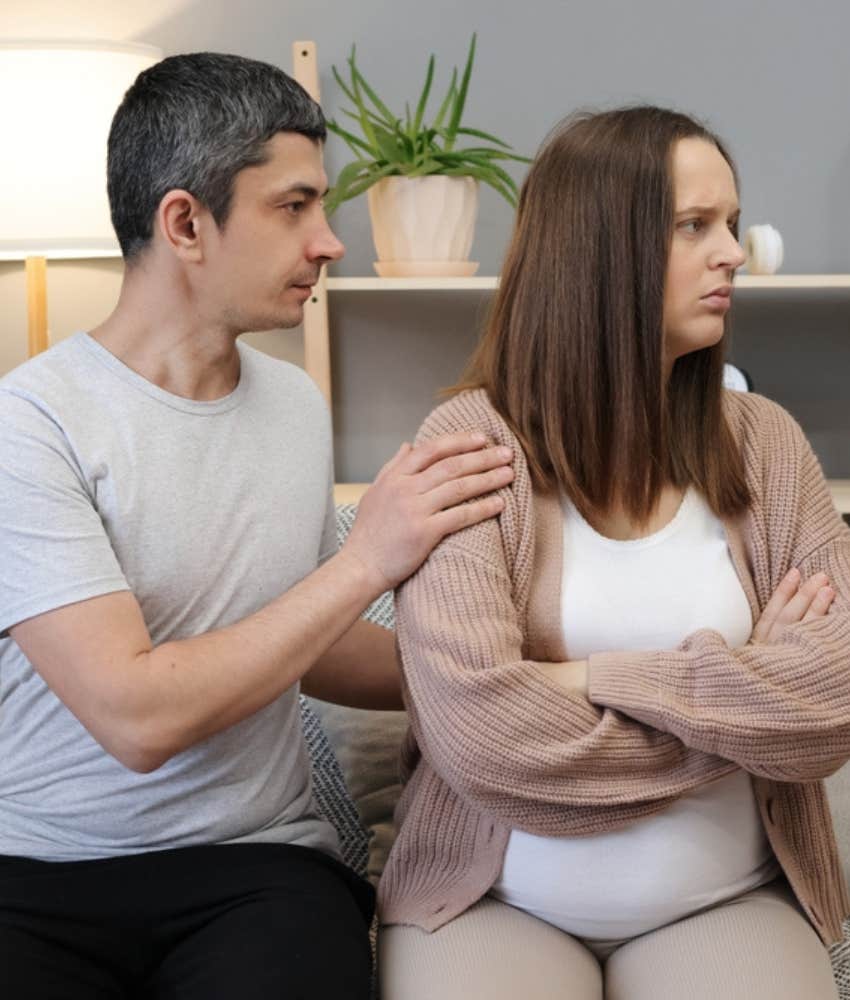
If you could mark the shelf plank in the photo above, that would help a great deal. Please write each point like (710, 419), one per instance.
(349, 492)
(766, 282)
(840, 489)
(369, 284)
(775, 281)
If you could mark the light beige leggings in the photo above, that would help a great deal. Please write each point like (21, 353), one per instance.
(755, 947)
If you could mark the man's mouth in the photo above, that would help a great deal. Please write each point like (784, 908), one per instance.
(307, 282)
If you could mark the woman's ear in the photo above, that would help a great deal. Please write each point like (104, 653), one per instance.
(180, 219)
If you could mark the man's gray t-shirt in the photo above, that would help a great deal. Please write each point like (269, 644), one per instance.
(206, 511)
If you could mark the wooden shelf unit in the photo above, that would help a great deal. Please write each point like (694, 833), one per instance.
(351, 492)
(369, 284)
(766, 282)
(776, 282)
(316, 326)
(316, 337)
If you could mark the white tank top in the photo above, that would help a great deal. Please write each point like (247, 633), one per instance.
(644, 594)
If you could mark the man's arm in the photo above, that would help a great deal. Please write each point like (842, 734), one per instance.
(361, 670)
(145, 703)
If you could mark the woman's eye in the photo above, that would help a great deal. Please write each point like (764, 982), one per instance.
(691, 225)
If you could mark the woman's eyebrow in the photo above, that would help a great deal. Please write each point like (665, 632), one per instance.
(706, 210)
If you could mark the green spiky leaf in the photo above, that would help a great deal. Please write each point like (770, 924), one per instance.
(460, 97)
(408, 145)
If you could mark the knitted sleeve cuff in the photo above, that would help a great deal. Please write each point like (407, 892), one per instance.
(629, 682)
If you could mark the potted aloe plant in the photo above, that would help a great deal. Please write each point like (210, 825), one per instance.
(421, 177)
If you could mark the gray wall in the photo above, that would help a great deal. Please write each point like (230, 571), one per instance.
(772, 77)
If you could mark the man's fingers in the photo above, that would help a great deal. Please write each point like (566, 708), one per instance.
(426, 454)
(821, 603)
(455, 518)
(456, 467)
(456, 491)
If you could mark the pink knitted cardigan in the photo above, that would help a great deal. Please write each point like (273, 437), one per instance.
(495, 744)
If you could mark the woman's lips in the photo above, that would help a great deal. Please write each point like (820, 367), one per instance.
(719, 298)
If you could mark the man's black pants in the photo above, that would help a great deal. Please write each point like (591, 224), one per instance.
(225, 922)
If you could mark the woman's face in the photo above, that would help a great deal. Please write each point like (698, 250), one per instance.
(704, 250)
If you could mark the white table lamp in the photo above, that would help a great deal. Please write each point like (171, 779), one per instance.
(57, 100)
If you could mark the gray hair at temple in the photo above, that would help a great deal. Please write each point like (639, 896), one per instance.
(193, 122)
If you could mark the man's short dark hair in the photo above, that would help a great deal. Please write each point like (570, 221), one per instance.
(194, 121)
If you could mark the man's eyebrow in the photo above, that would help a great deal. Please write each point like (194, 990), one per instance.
(307, 190)
(705, 210)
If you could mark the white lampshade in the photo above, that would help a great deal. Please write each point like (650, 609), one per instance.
(57, 100)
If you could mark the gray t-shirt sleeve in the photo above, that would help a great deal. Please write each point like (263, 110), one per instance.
(330, 544)
(53, 547)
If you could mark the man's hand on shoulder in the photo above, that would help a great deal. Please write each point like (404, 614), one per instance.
(144, 703)
(421, 495)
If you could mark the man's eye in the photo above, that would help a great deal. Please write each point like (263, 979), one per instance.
(294, 207)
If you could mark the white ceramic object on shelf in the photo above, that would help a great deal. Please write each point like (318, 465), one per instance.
(764, 249)
(423, 226)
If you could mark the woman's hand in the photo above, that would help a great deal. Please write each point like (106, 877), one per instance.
(792, 603)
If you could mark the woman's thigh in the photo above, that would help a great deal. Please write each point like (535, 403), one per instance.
(492, 951)
(756, 947)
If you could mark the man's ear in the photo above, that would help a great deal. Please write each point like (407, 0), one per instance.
(182, 220)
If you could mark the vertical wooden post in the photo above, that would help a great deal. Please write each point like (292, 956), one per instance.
(317, 351)
(36, 305)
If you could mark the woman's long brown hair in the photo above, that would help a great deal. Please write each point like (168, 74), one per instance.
(572, 354)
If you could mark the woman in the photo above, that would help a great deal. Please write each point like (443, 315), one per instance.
(614, 777)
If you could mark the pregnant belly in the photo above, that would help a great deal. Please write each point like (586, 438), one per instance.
(708, 846)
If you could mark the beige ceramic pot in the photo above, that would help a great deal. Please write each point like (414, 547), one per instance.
(423, 225)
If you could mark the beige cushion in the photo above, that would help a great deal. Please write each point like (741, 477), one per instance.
(367, 746)
(838, 791)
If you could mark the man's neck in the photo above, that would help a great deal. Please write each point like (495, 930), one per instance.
(158, 332)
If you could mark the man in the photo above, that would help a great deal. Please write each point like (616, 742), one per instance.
(169, 577)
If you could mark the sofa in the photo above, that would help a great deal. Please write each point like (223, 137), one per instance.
(355, 773)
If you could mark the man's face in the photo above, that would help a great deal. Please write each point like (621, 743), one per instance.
(260, 266)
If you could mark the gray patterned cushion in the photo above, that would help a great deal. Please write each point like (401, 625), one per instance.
(840, 955)
(332, 796)
(354, 758)
(367, 743)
